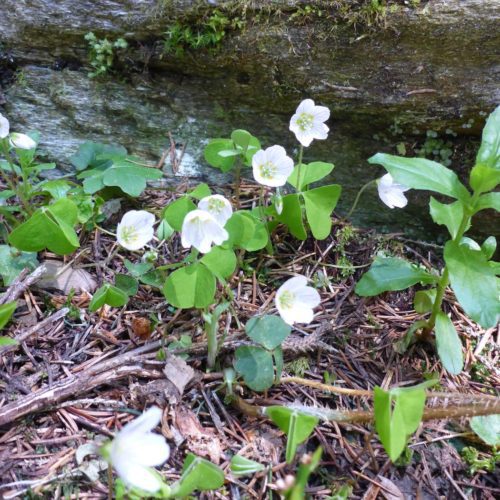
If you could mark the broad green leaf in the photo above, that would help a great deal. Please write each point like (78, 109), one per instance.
(7, 341)
(200, 191)
(449, 215)
(89, 152)
(424, 300)
(174, 214)
(255, 364)
(242, 466)
(197, 474)
(292, 217)
(319, 204)
(487, 428)
(241, 138)
(489, 247)
(127, 284)
(240, 229)
(13, 261)
(484, 179)
(253, 147)
(474, 282)
(124, 173)
(296, 425)
(390, 274)
(6, 312)
(213, 158)
(489, 152)
(164, 230)
(310, 173)
(137, 270)
(110, 295)
(190, 286)
(489, 200)
(448, 344)
(260, 235)
(56, 188)
(394, 425)
(221, 261)
(419, 173)
(49, 227)
(268, 331)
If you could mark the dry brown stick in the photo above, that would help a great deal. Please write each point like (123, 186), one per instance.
(38, 328)
(21, 283)
(84, 382)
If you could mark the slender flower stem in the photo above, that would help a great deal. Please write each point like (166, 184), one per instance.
(262, 207)
(237, 183)
(299, 166)
(358, 196)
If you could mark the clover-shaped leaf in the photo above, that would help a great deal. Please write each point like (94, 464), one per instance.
(49, 227)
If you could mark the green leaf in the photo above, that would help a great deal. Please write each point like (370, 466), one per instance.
(310, 173)
(319, 204)
(448, 344)
(221, 261)
(449, 215)
(56, 188)
(124, 173)
(164, 230)
(127, 284)
(7, 341)
(391, 274)
(489, 200)
(190, 286)
(13, 261)
(89, 152)
(474, 282)
(49, 227)
(242, 466)
(213, 158)
(489, 152)
(139, 269)
(419, 173)
(246, 231)
(424, 300)
(489, 247)
(174, 214)
(198, 474)
(291, 216)
(255, 364)
(200, 191)
(268, 331)
(394, 425)
(110, 295)
(483, 179)
(296, 425)
(487, 428)
(6, 312)
(241, 138)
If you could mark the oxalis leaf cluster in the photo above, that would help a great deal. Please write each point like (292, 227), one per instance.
(219, 235)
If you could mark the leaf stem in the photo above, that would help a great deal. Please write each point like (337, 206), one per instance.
(299, 167)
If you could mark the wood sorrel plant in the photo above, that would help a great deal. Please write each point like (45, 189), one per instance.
(469, 270)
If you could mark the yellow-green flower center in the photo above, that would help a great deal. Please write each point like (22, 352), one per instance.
(287, 299)
(305, 121)
(268, 170)
(215, 205)
(129, 234)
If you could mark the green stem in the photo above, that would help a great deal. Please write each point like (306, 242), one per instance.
(263, 218)
(237, 183)
(299, 167)
(358, 196)
(212, 345)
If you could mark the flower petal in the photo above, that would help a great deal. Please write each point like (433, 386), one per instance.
(144, 423)
(4, 127)
(321, 113)
(137, 476)
(145, 449)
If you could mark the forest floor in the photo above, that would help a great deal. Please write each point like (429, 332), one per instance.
(79, 377)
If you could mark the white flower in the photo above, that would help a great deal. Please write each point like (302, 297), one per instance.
(308, 122)
(135, 229)
(21, 141)
(200, 230)
(391, 193)
(4, 127)
(278, 201)
(135, 449)
(295, 301)
(217, 206)
(272, 167)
